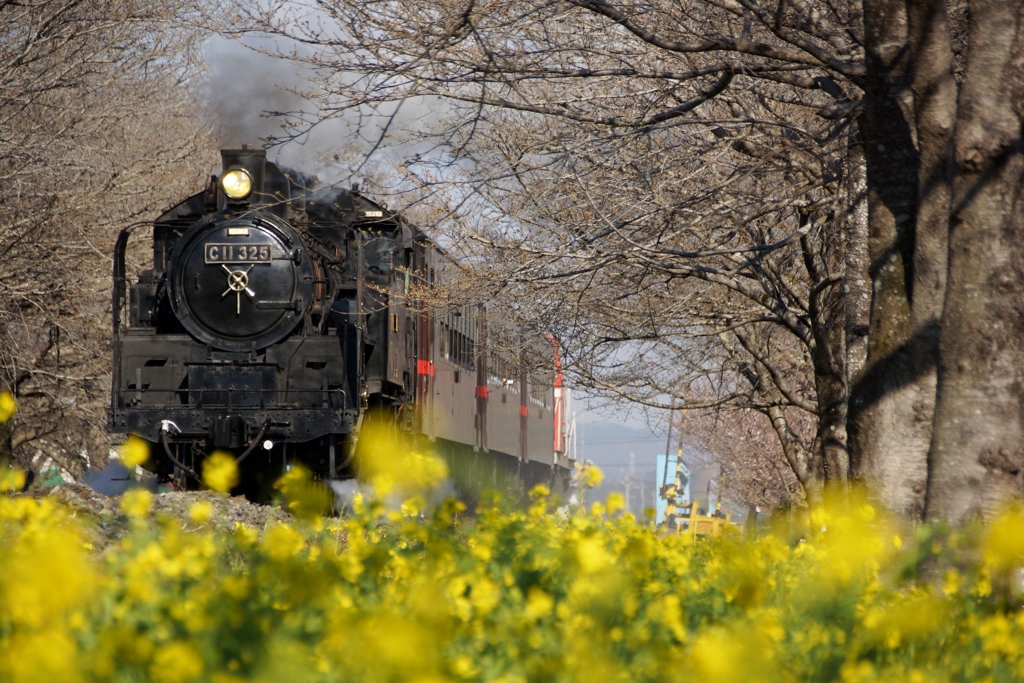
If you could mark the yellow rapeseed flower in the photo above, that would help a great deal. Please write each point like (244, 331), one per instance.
(220, 472)
(136, 503)
(539, 492)
(393, 464)
(718, 655)
(1004, 543)
(11, 479)
(134, 452)
(506, 596)
(282, 541)
(46, 575)
(538, 603)
(30, 657)
(951, 582)
(983, 583)
(591, 555)
(463, 667)
(484, 595)
(588, 475)
(221, 677)
(8, 406)
(307, 499)
(176, 662)
(200, 512)
(667, 612)
(244, 536)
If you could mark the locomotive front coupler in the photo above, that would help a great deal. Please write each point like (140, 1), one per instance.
(232, 422)
(230, 432)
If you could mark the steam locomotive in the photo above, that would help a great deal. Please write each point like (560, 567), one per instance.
(275, 320)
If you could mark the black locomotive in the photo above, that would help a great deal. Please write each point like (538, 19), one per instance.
(274, 318)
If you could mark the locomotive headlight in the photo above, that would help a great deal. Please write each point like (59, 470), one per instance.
(237, 183)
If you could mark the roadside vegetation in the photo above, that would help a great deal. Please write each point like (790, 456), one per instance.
(414, 590)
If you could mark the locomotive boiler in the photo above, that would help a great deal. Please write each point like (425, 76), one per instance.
(275, 317)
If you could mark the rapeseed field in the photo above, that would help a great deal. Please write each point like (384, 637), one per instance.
(408, 589)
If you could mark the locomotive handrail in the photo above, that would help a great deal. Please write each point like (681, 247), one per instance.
(261, 392)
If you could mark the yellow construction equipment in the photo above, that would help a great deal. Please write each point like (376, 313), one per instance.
(685, 517)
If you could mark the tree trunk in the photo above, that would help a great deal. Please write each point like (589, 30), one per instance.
(934, 114)
(803, 463)
(883, 444)
(977, 454)
(832, 435)
(853, 204)
(827, 312)
(895, 395)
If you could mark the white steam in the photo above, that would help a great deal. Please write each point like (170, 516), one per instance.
(255, 96)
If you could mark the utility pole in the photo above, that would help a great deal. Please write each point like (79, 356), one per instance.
(663, 487)
(583, 442)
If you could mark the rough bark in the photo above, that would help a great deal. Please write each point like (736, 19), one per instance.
(801, 462)
(827, 311)
(876, 435)
(907, 126)
(856, 280)
(935, 90)
(976, 461)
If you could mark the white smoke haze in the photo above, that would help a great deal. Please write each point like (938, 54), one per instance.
(263, 93)
(254, 96)
(346, 490)
(262, 99)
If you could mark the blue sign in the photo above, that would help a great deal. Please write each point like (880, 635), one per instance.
(665, 475)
